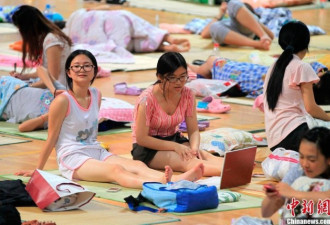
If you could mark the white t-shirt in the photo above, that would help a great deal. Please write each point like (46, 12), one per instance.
(290, 111)
(50, 41)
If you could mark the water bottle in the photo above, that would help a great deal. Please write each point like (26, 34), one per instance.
(215, 51)
(157, 20)
(48, 12)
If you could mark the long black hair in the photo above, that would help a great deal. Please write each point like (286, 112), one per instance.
(167, 64)
(72, 56)
(34, 27)
(293, 38)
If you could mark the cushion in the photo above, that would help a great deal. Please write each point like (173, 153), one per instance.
(226, 139)
(116, 110)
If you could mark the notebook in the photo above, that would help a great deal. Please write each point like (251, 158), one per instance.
(238, 167)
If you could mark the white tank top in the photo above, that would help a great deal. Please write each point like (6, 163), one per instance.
(79, 128)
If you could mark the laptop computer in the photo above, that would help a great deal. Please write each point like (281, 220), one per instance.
(238, 167)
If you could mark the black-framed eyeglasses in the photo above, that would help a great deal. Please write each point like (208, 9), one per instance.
(175, 79)
(77, 68)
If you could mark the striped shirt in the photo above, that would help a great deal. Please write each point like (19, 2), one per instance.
(158, 121)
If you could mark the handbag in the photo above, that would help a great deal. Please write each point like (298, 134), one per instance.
(55, 193)
(181, 196)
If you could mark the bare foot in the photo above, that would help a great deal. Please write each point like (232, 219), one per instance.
(176, 48)
(265, 42)
(180, 41)
(168, 174)
(193, 174)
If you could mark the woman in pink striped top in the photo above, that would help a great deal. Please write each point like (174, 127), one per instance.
(158, 112)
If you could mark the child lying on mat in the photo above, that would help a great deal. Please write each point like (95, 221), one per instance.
(20, 102)
(158, 112)
(73, 119)
(250, 77)
(311, 187)
(121, 32)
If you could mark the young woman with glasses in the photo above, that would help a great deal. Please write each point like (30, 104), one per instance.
(158, 112)
(73, 120)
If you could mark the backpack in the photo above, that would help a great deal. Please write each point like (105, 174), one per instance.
(181, 196)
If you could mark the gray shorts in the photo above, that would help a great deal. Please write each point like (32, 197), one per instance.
(68, 163)
(220, 29)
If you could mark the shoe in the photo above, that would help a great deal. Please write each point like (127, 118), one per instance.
(117, 2)
(212, 105)
(198, 62)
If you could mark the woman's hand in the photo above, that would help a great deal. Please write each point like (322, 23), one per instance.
(196, 153)
(285, 190)
(17, 75)
(184, 152)
(24, 173)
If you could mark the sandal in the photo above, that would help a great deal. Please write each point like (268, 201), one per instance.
(123, 89)
(212, 105)
(202, 125)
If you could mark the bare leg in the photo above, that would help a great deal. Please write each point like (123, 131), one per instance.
(172, 159)
(233, 38)
(95, 170)
(246, 18)
(129, 174)
(139, 168)
(211, 158)
(205, 69)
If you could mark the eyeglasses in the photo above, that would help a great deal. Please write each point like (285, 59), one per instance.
(175, 79)
(77, 68)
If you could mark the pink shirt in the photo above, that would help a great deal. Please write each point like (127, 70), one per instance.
(290, 111)
(158, 121)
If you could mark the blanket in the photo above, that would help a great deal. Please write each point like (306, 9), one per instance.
(8, 86)
(112, 35)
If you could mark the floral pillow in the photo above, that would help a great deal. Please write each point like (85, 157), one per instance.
(226, 139)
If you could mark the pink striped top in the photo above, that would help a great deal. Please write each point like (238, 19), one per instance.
(158, 121)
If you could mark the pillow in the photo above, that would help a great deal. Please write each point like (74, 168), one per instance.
(116, 110)
(228, 196)
(226, 139)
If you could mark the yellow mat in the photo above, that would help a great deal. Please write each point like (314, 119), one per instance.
(95, 213)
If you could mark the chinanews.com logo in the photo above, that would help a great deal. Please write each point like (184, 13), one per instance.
(306, 210)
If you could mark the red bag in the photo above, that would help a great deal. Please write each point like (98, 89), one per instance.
(55, 193)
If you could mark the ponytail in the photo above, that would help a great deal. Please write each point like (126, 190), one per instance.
(294, 37)
(275, 83)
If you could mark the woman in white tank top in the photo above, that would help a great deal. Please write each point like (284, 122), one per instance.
(72, 130)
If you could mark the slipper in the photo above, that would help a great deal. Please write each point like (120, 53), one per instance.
(123, 89)
(212, 105)
(202, 125)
